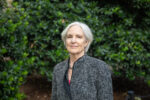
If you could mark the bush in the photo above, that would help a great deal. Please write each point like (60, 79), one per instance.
(13, 44)
(123, 37)
(30, 38)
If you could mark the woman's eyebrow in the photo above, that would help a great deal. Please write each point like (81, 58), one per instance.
(79, 34)
(69, 34)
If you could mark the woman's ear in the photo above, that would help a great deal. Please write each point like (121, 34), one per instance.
(86, 43)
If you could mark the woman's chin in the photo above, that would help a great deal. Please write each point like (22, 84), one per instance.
(75, 52)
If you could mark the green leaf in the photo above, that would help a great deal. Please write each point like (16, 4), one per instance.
(3, 50)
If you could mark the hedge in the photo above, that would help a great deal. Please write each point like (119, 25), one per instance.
(30, 38)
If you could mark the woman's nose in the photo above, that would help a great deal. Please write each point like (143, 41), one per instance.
(73, 39)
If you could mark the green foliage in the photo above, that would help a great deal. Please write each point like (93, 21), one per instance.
(30, 38)
(124, 38)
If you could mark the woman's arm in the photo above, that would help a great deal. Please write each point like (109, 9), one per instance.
(54, 88)
(104, 83)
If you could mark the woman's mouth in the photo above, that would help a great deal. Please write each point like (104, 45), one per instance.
(74, 46)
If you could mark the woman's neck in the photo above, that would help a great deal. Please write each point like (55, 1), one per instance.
(75, 57)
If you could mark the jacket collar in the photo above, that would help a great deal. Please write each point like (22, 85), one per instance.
(66, 64)
(79, 60)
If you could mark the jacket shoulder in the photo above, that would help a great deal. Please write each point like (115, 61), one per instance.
(95, 61)
(100, 65)
(58, 66)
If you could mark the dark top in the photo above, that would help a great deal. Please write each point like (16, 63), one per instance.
(91, 80)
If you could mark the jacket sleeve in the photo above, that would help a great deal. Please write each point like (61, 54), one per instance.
(54, 87)
(104, 83)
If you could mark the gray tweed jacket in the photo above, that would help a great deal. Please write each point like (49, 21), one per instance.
(91, 80)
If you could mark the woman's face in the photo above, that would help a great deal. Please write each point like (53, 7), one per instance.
(75, 40)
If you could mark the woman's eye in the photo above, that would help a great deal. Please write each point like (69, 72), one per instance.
(79, 36)
(69, 36)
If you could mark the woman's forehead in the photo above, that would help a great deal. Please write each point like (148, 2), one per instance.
(75, 29)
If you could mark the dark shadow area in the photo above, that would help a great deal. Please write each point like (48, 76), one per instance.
(36, 88)
(140, 88)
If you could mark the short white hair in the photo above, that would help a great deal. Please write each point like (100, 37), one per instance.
(86, 30)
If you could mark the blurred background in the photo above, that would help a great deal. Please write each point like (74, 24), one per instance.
(31, 45)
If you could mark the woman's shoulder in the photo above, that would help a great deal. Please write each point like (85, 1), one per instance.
(95, 61)
(99, 64)
(60, 65)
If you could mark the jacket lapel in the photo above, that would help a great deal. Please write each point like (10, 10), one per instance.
(65, 80)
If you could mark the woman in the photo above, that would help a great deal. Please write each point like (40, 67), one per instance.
(80, 77)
